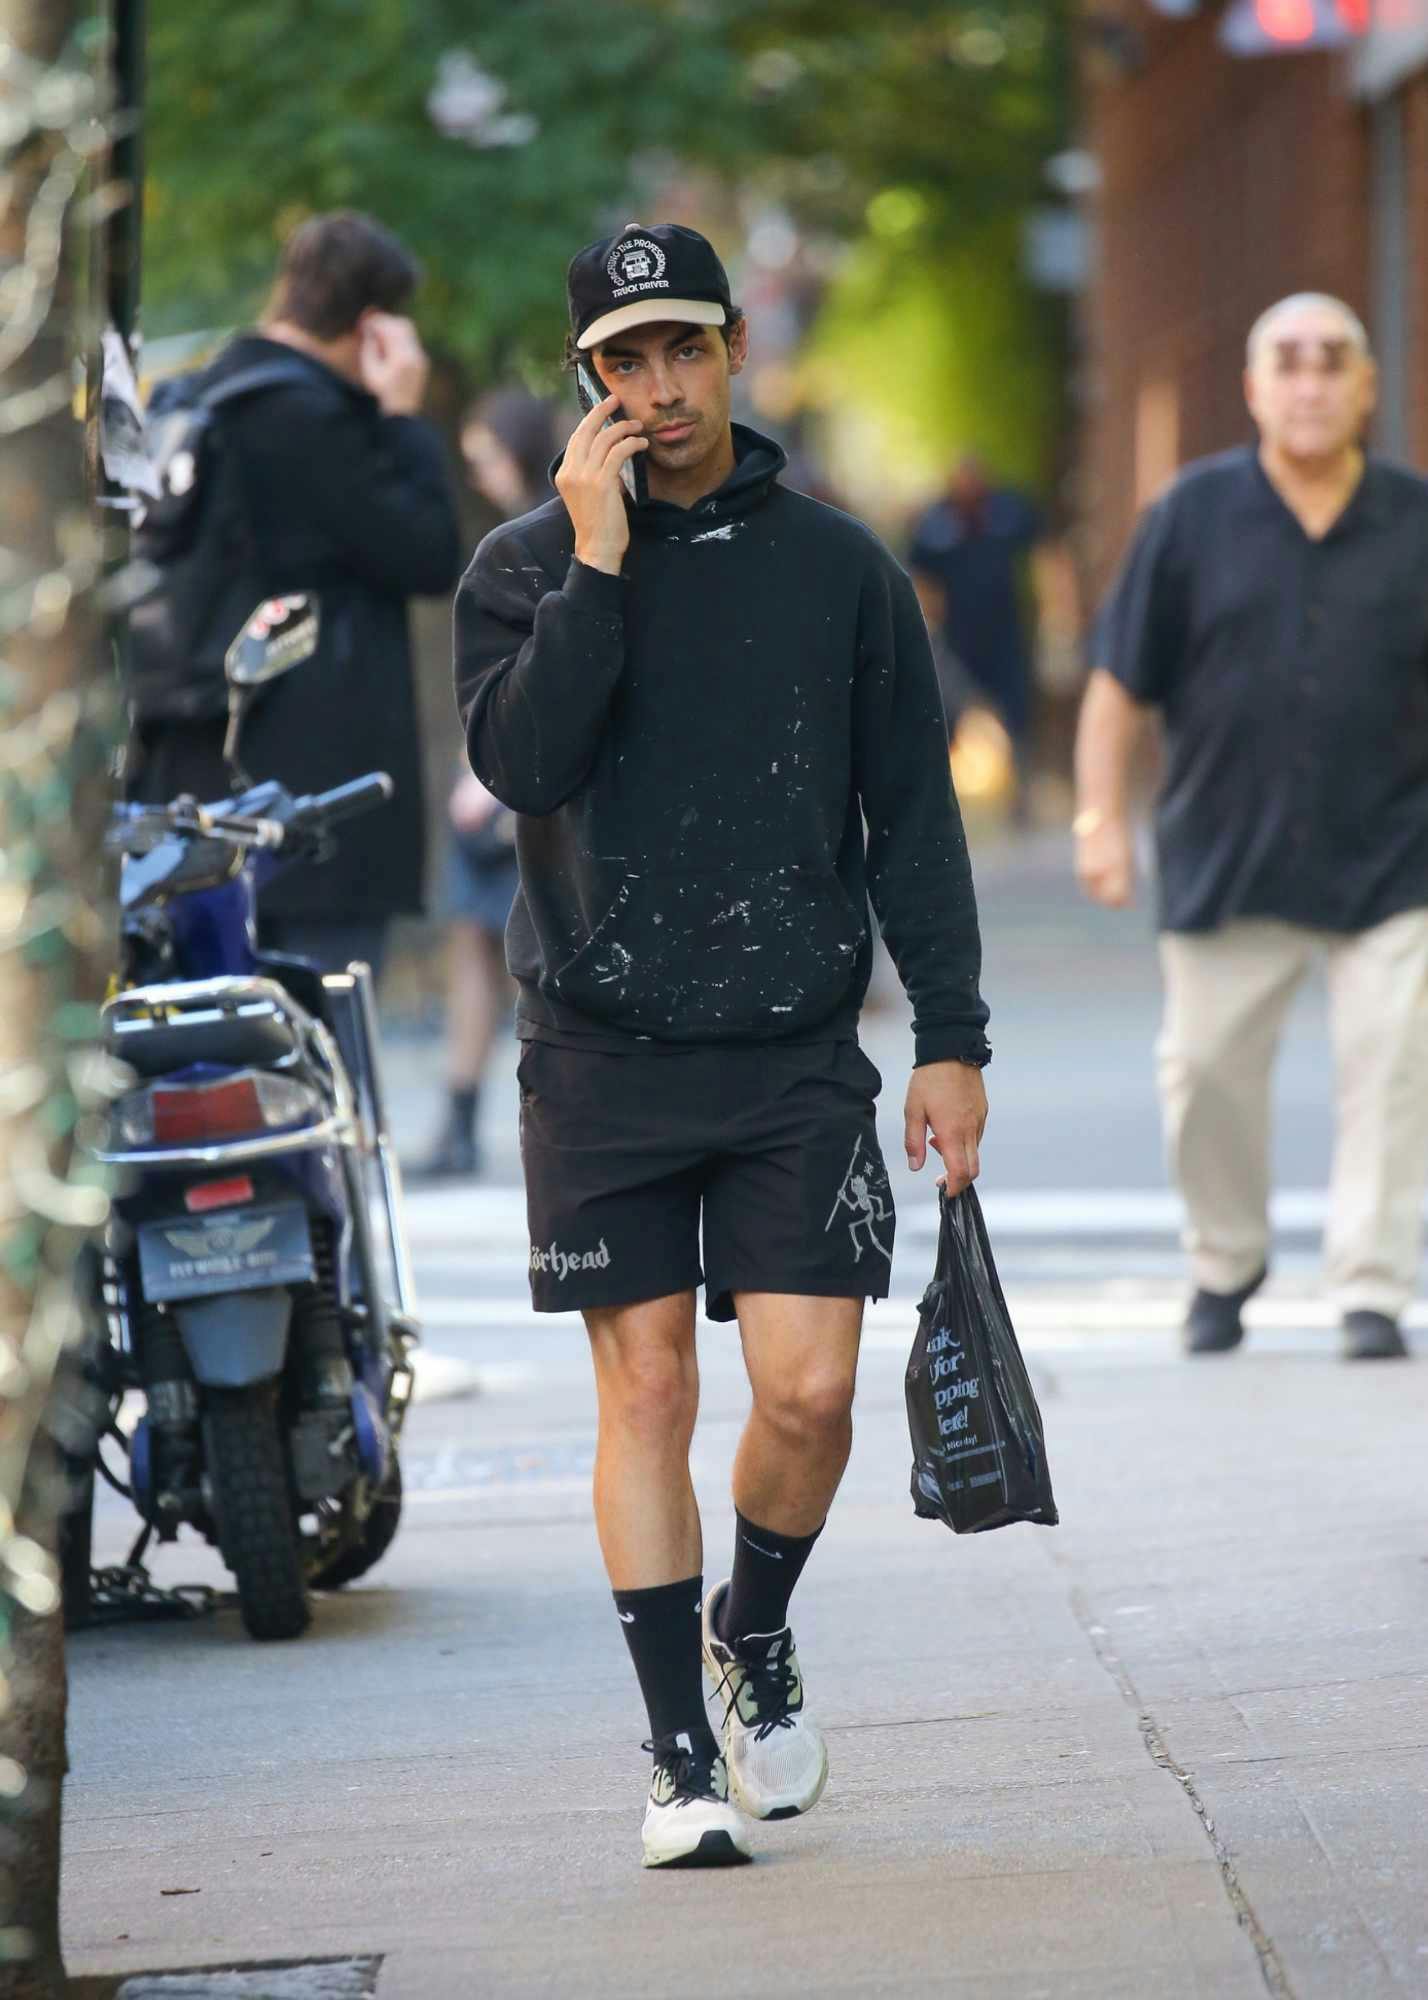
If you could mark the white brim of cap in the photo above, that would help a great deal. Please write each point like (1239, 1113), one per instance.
(645, 312)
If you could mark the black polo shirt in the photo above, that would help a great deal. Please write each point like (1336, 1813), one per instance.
(1292, 677)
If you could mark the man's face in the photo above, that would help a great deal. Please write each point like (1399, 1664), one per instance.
(1310, 389)
(676, 381)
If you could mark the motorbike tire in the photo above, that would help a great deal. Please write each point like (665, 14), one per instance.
(257, 1526)
(76, 1542)
(378, 1533)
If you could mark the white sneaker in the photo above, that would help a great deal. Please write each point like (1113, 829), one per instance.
(777, 1759)
(690, 1821)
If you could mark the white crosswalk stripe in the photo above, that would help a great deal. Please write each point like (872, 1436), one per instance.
(467, 1216)
(1095, 1269)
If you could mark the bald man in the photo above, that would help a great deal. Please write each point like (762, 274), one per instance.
(1273, 610)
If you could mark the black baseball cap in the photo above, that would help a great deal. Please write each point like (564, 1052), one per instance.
(643, 274)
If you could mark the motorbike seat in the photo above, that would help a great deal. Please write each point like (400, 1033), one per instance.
(155, 1048)
(300, 979)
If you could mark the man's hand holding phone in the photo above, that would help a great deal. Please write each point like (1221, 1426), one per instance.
(589, 484)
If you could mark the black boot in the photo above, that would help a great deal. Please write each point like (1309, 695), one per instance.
(455, 1155)
(1213, 1324)
(1372, 1336)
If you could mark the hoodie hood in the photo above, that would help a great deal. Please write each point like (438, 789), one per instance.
(758, 461)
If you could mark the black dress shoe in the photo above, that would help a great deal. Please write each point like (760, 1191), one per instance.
(1213, 1324)
(1371, 1336)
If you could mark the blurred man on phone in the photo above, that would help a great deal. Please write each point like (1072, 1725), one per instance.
(341, 491)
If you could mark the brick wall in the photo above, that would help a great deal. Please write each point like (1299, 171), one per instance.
(1225, 185)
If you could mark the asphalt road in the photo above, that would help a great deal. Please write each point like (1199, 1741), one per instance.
(1174, 1746)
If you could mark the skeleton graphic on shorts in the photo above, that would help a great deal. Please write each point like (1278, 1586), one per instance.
(863, 1195)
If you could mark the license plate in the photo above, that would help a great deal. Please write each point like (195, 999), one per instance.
(231, 1252)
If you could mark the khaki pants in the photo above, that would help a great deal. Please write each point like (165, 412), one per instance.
(1226, 996)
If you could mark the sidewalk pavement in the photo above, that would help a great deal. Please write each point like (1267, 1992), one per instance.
(1175, 1746)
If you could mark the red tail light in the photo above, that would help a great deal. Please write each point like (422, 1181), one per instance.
(186, 1115)
(239, 1106)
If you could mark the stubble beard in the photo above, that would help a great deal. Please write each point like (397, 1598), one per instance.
(686, 455)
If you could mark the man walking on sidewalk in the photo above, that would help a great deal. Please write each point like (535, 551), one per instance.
(1274, 609)
(692, 704)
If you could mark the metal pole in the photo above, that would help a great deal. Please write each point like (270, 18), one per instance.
(125, 227)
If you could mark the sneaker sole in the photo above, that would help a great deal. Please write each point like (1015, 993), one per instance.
(715, 1849)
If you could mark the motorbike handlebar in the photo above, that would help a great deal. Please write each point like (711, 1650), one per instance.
(362, 795)
(134, 829)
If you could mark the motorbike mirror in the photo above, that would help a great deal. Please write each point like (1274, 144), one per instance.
(280, 635)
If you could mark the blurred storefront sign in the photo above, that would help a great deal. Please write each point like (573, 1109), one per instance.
(1280, 27)
(1395, 46)
(1390, 36)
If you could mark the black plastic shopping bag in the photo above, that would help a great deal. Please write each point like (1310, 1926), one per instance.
(978, 1454)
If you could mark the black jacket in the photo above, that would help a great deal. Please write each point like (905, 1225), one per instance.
(356, 506)
(692, 748)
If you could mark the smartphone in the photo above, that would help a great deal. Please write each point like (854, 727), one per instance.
(632, 472)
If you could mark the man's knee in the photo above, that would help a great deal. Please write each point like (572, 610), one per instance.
(648, 1382)
(815, 1404)
(1201, 1079)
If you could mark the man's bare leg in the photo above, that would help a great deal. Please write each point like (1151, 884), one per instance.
(647, 1382)
(802, 1359)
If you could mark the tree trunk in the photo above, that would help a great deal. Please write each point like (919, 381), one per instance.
(53, 726)
(32, 1732)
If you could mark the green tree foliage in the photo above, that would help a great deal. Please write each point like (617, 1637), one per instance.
(264, 110)
(961, 102)
(944, 352)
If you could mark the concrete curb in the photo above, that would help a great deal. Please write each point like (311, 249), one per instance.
(325, 1979)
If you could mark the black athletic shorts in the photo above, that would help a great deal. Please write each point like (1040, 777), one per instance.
(772, 1150)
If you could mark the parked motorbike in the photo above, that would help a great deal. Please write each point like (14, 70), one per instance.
(248, 1304)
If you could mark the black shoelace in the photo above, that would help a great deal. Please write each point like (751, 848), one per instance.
(691, 1775)
(774, 1685)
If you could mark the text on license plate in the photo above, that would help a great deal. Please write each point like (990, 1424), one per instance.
(233, 1251)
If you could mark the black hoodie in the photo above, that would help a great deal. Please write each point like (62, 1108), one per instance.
(692, 748)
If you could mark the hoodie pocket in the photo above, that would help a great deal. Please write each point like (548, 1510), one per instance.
(717, 953)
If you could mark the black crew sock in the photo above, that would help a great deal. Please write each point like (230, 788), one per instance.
(462, 1105)
(766, 1568)
(662, 1632)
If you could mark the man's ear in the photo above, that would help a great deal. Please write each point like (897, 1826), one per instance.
(738, 345)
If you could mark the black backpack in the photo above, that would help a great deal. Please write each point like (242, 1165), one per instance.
(198, 534)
